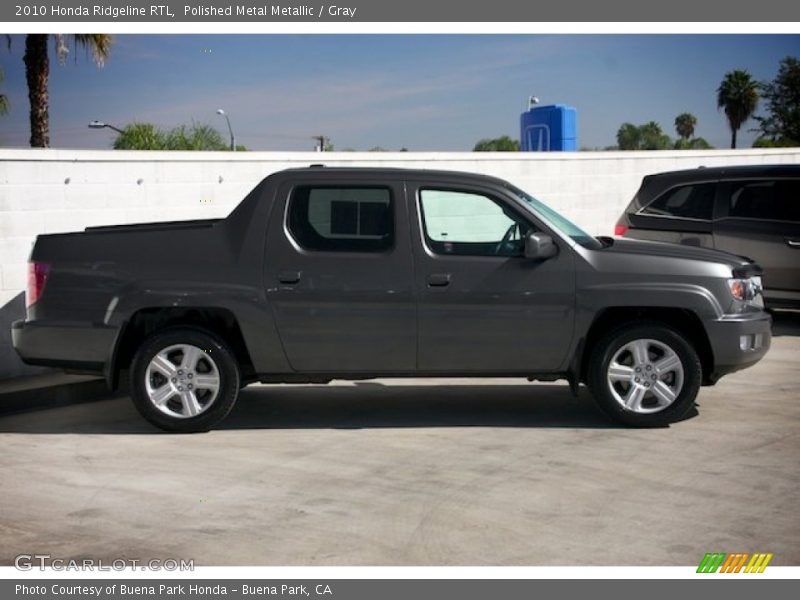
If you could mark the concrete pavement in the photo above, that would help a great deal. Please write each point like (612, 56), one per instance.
(415, 472)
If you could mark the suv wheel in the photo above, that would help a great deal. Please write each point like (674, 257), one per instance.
(184, 380)
(645, 375)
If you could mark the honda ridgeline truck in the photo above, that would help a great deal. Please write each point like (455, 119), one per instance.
(355, 273)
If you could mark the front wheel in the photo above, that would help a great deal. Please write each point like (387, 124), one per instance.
(645, 375)
(184, 380)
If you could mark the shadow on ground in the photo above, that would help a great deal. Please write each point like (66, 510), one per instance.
(785, 322)
(364, 405)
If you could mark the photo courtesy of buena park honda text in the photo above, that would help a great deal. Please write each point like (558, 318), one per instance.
(399, 300)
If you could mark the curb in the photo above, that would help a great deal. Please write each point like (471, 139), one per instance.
(50, 391)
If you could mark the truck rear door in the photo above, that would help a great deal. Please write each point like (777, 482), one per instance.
(338, 275)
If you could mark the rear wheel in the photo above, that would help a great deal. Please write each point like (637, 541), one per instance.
(184, 380)
(645, 375)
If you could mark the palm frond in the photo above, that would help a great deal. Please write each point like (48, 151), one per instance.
(98, 43)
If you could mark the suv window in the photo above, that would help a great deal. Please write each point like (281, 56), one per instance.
(777, 200)
(342, 219)
(471, 224)
(687, 202)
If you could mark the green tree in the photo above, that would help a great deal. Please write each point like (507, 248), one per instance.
(700, 143)
(782, 95)
(37, 73)
(653, 138)
(501, 144)
(141, 136)
(197, 136)
(737, 95)
(697, 143)
(684, 125)
(643, 137)
(628, 137)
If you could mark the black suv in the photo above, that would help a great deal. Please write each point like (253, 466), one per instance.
(751, 211)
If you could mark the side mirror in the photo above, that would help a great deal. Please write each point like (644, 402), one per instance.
(539, 246)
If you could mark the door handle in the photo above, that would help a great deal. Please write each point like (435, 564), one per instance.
(289, 277)
(439, 279)
(793, 243)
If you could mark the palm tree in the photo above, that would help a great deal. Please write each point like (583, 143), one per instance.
(652, 138)
(3, 98)
(684, 125)
(629, 137)
(737, 95)
(4, 104)
(37, 73)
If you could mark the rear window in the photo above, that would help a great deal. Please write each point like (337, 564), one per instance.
(342, 219)
(775, 200)
(687, 202)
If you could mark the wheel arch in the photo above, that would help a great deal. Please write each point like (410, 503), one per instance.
(682, 320)
(146, 321)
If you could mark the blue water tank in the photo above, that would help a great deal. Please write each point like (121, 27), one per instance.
(551, 128)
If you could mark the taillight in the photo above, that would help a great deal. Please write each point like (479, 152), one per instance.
(37, 277)
(620, 229)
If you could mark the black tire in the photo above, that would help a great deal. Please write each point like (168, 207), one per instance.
(215, 408)
(603, 353)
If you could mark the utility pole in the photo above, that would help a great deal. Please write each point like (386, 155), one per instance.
(321, 141)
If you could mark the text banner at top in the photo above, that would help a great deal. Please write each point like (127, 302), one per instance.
(465, 11)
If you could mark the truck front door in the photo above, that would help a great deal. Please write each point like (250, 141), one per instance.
(483, 307)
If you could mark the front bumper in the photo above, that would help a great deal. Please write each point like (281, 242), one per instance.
(84, 347)
(738, 341)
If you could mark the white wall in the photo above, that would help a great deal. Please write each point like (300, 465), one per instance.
(48, 191)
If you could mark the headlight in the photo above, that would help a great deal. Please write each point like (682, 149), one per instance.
(746, 290)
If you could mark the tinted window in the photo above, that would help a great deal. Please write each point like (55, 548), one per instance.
(466, 223)
(342, 219)
(775, 200)
(688, 202)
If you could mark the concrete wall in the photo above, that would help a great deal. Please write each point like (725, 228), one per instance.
(49, 191)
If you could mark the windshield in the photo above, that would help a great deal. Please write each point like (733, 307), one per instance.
(557, 221)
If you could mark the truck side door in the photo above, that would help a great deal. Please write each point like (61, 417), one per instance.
(338, 276)
(482, 306)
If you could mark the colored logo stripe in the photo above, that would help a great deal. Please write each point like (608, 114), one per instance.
(758, 563)
(734, 563)
(711, 562)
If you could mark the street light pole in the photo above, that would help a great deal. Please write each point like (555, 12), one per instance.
(230, 129)
(101, 125)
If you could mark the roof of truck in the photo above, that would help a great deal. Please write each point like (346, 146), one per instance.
(394, 172)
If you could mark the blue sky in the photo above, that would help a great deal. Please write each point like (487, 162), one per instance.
(422, 92)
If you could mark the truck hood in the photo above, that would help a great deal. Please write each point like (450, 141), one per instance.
(667, 250)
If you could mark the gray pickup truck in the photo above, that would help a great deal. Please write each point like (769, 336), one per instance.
(354, 273)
